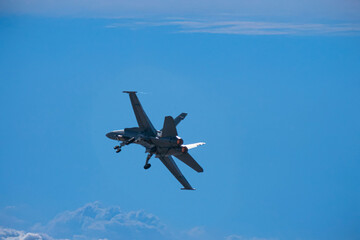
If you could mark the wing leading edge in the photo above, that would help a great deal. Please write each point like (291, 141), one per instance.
(173, 168)
(141, 117)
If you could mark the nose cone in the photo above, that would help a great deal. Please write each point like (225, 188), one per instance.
(115, 135)
(110, 135)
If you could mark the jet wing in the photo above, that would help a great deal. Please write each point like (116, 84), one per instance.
(173, 168)
(190, 161)
(141, 117)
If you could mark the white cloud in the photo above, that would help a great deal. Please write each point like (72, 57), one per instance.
(277, 17)
(93, 221)
(196, 231)
(10, 207)
(12, 234)
(238, 237)
(310, 9)
(245, 27)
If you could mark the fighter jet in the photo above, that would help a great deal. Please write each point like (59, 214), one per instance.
(164, 143)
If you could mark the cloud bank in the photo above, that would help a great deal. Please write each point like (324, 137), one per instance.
(241, 17)
(244, 27)
(95, 222)
(238, 237)
(12, 234)
(309, 9)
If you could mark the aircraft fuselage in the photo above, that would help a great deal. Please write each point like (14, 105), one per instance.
(153, 144)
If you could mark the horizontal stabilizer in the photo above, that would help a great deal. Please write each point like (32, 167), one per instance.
(188, 189)
(194, 145)
(129, 91)
(173, 168)
(169, 129)
(188, 160)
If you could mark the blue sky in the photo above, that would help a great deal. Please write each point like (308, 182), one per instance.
(275, 96)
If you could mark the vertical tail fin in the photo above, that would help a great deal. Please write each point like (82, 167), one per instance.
(169, 128)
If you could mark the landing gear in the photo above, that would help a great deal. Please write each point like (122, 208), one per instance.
(118, 147)
(147, 164)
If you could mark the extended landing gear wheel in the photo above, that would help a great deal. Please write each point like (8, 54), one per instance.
(118, 150)
(147, 166)
(116, 147)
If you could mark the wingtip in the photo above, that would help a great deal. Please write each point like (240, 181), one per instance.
(188, 189)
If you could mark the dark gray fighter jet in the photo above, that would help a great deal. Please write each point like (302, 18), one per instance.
(163, 143)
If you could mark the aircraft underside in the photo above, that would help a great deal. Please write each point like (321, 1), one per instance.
(163, 143)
